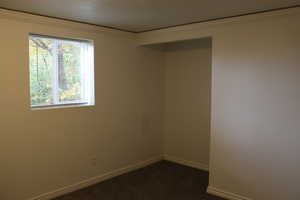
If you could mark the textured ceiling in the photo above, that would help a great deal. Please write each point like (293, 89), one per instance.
(143, 15)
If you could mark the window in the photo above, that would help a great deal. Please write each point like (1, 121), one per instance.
(61, 71)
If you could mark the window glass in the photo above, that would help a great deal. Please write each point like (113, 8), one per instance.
(61, 71)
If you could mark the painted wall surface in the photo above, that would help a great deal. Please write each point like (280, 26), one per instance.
(255, 125)
(255, 140)
(43, 150)
(256, 109)
(187, 101)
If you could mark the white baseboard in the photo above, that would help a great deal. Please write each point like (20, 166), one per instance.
(193, 164)
(225, 194)
(96, 179)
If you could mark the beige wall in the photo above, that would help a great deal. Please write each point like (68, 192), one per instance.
(255, 140)
(187, 102)
(44, 150)
(256, 109)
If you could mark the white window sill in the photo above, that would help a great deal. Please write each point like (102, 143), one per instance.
(60, 106)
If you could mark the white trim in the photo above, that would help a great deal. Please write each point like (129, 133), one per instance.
(225, 194)
(64, 105)
(189, 163)
(61, 23)
(96, 179)
(207, 29)
(55, 74)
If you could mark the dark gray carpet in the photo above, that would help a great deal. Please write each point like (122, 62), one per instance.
(160, 181)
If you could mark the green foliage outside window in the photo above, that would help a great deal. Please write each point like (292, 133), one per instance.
(43, 60)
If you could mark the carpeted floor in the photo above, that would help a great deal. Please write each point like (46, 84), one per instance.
(160, 181)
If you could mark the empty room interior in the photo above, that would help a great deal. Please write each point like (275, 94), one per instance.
(149, 100)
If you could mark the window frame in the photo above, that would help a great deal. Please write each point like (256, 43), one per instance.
(87, 101)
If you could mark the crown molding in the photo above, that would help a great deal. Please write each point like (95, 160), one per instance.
(61, 23)
(209, 28)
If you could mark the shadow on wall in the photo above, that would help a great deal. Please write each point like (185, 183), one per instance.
(186, 108)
